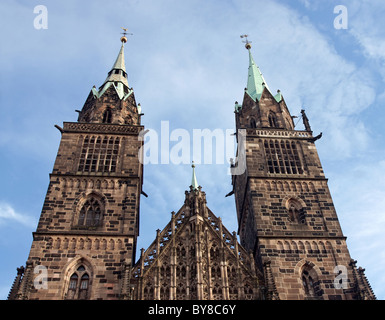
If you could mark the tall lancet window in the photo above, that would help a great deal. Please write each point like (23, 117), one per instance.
(79, 284)
(310, 283)
(90, 214)
(107, 116)
(273, 120)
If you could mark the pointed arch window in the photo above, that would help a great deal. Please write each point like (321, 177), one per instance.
(90, 214)
(107, 115)
(310, 283)
(84, 284)
(253, 124)
(79, 284)
(148, 291)
(273, 120)
(73, 282)
(295, 211)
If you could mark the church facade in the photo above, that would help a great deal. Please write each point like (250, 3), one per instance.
(291, 244)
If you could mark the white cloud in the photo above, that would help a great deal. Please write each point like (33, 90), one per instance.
(8, 215)
(365, 24)
(359, 197)
(195, 64)
(196, 74)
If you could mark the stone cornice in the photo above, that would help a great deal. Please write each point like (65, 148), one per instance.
(101, 128)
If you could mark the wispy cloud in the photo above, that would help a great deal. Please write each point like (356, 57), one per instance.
(360, 201)
(365, 27)
(293, 54)
(8, 216)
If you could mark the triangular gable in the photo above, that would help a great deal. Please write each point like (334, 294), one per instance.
(172, 268)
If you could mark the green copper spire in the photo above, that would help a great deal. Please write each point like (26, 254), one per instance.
(118, 72)
(119, 63)
(194, 181)
(117, 77)
(255, 81)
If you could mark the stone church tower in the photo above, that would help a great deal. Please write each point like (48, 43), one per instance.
(291, 244)
(285, 211)
(86, 236)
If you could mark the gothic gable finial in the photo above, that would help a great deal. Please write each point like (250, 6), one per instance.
(194, 181)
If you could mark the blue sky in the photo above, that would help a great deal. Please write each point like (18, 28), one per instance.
(188, 66)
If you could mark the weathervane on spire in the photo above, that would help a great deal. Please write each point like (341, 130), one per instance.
(248, 43)
(124, 38)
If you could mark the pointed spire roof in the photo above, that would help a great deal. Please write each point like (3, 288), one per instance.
(194, 181)
(117, 77)
(119, 63)
(255, 81)
(118, 72)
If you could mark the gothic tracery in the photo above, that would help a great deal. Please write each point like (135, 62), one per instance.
(195, 257)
